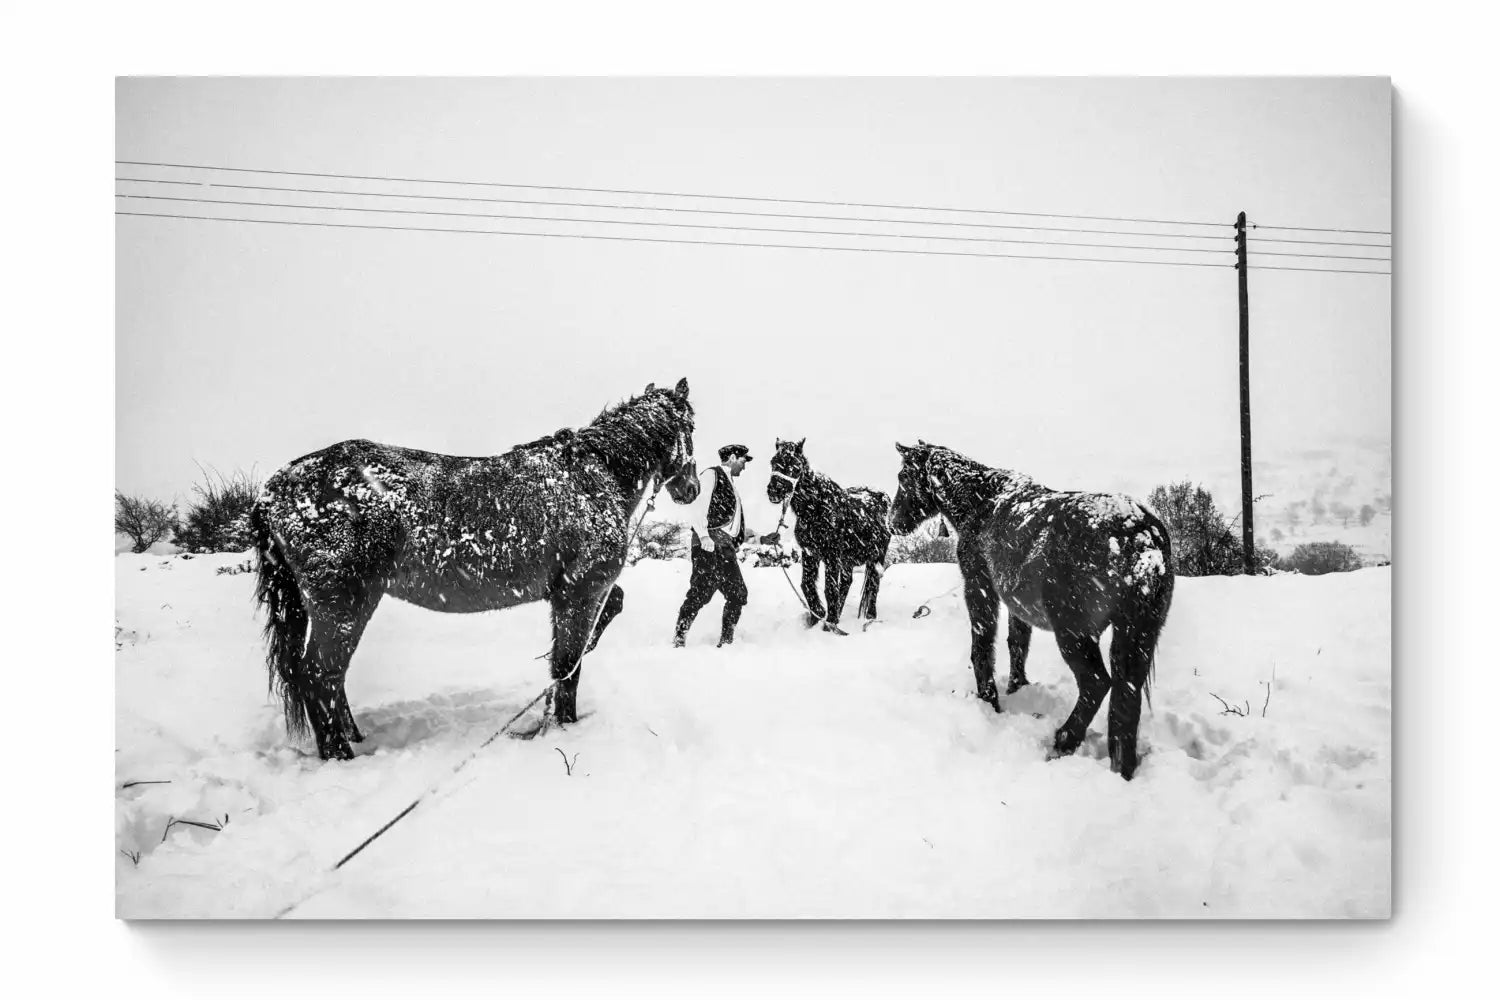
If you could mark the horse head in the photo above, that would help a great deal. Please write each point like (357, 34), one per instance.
(680, 470)
(788, 466)
(916, 498)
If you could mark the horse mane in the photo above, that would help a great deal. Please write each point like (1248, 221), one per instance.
(971, 486)
(640, 425)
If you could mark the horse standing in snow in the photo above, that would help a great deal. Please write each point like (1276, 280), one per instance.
(836, 527)
(1069, 563)
(338, 529)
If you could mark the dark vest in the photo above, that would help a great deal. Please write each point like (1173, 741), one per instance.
(721, 504)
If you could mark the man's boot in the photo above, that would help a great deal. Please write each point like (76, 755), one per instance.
(731, 617)
(679, 637)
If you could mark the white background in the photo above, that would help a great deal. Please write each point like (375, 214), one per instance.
(59, 414)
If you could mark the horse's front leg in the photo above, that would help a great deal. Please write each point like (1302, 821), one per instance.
(575, 609)
(837, 580)
(613, 605)
(1018, 640)
(810, 587)
(984, 615)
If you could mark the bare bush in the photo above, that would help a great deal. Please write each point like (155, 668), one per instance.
(931, 543)
(659, 540)
(219, 519)
(145, 522)
(1204, 543)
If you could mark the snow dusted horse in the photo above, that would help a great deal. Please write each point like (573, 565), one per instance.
(836, 527)
(338, 529)
(1069, 563)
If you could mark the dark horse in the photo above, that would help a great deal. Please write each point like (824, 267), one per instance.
(1069, 563)
(337, 529)
(836, 527)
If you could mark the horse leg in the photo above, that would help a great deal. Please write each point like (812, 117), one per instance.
(1131, 651)
(871, 591)
(1081, 651)
(574, 610)
(984, 617)
(613, 605)
(1018, 641)
(836, 583)
(810, 587)
(334, 632)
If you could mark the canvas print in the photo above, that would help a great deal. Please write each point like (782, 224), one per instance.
(753, 498)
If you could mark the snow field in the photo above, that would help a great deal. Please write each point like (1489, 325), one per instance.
(795, 774)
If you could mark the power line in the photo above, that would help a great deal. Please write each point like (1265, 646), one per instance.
(660, 208)
(650, 239)
(1324, 243)
(1328, 256)
(671, 225)
(665, 194)
(1315, 229)
(1318, 270)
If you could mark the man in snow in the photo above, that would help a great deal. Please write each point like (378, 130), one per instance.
(717, 520)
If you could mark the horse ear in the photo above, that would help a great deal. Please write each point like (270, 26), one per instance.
(682, 387)
(649, 387)
(800, 444)
(904, 449)
(922, 444)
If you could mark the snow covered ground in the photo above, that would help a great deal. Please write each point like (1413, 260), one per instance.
(796, 774)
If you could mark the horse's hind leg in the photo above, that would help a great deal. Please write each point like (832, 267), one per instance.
(1130, 653)
(1081, 652)
(334, 632)
(1018, 641)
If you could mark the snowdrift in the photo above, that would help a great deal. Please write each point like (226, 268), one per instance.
(795, 774)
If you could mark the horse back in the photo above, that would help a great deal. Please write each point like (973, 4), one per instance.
(1071, 561)
(447, 532)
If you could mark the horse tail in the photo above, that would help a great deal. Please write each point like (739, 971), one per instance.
(276, 590)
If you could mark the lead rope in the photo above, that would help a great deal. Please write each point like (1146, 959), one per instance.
(436, 787)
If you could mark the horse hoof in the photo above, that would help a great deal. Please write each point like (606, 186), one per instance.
(1015, 686)
(811, 619)
(831, 627)
(339, 751)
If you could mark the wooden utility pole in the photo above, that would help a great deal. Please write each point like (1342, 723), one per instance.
(1247, 494)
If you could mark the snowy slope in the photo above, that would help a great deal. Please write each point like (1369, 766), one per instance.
(797, 774)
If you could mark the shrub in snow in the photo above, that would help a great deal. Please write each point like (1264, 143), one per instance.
(1204, 542)
(930, 543)
(1317, 558)
(219, 519)
(768, 554)
(659, 540)
(145, 522)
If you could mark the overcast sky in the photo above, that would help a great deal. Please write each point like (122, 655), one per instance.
(248, 345)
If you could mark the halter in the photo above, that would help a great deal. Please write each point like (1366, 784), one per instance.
(794, 480)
